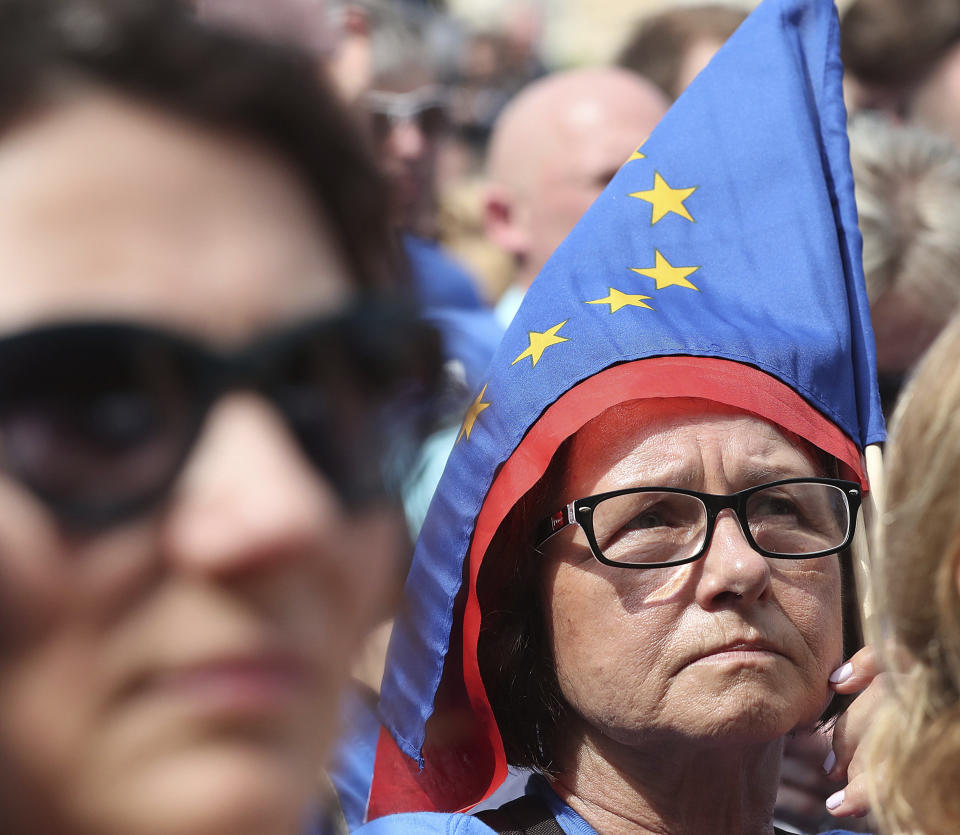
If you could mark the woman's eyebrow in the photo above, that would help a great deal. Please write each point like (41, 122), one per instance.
(667, 476)
(761, 472)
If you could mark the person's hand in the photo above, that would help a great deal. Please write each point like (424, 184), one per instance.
(845, 762)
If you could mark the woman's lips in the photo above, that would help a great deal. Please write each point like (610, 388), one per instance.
(230, 687)
(744, 651)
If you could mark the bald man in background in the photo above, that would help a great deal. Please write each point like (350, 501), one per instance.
(553, 149)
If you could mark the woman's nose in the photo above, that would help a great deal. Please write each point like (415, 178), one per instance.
(733, 573)
(248, 498)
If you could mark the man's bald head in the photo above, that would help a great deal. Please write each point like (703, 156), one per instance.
(553, 150)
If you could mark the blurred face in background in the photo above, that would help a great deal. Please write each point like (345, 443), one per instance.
(408, 121)
(178, 672)
(936, 99)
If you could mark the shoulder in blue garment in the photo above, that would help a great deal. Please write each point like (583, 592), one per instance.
(439, 280)
(425, 823)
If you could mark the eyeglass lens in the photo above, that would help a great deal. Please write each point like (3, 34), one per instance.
(654, 527)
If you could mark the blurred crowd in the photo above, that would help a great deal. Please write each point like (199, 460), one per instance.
(494, 155)
(464, 157)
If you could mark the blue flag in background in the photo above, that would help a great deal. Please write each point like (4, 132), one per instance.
(722, 261)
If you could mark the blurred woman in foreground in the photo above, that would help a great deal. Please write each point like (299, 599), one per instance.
(198, 375)
(916, 739)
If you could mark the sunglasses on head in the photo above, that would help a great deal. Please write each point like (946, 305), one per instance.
(424, 106)
(98, 418)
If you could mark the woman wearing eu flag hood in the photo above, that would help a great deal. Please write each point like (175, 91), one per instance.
(635, 577)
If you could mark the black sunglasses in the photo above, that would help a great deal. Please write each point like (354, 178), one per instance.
(98, 418)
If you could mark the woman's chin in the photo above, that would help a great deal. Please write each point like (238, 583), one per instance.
(750, 706)
(735, 720)
(223, 790)
(750, 719)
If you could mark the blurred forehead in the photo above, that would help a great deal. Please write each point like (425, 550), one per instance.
(600, 121)
(113, 208)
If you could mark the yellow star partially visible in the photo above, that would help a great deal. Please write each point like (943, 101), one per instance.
(617, 300)
(667, 275)
(472, 414)
(636, 155)
(665, 199)
(539, 342)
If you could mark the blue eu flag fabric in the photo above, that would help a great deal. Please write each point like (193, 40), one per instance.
(723, 260)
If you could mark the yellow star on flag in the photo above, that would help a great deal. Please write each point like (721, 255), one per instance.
(472, 414)
(665, 199)
(539, 342)
(667, 275)
(617, 300)
(636, 155)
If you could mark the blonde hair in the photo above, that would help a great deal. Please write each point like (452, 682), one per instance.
(914, 744)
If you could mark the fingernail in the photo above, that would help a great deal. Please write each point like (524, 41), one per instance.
(841, 674)
(835, 800)
(830, 762)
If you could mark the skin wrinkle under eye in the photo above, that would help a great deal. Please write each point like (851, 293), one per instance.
(669, 582)
(677, 578)
(785, 572)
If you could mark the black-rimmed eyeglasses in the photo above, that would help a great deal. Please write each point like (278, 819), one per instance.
(657, 527)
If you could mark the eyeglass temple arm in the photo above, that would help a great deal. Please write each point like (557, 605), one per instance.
(555, 523)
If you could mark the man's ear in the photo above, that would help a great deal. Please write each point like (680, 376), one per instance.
(503, 222)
